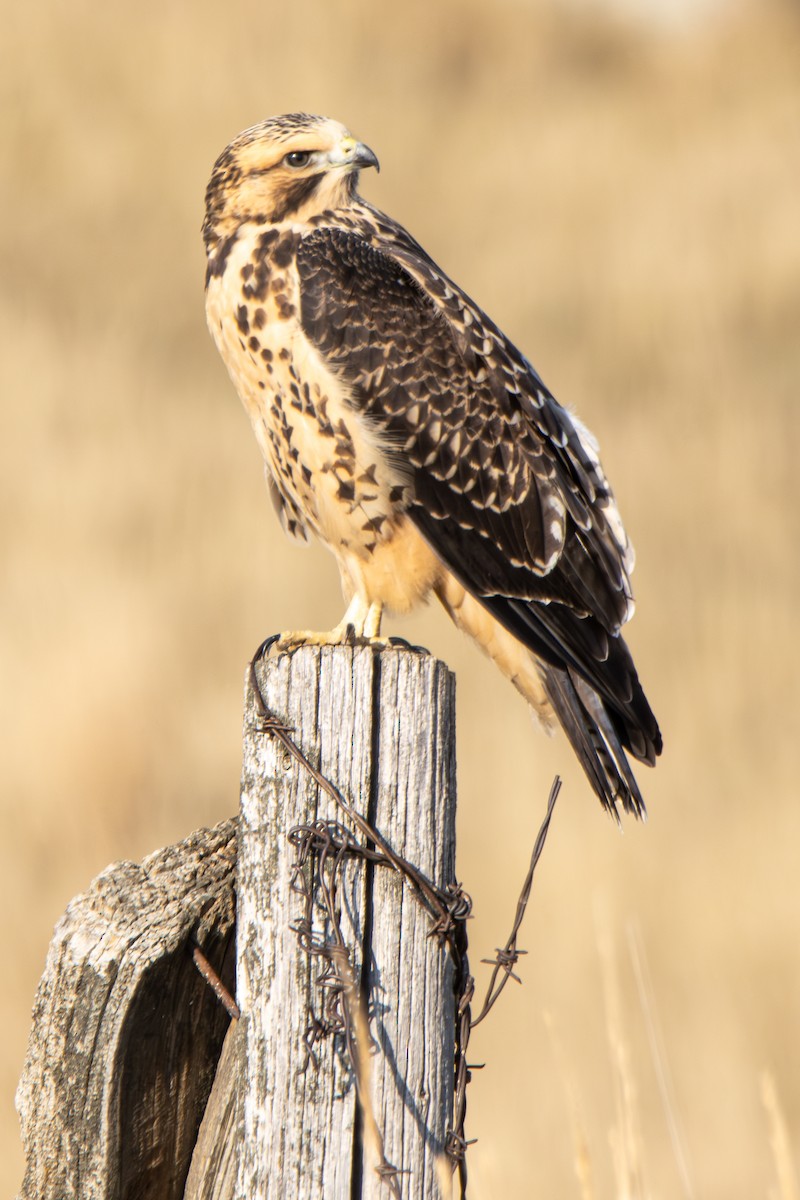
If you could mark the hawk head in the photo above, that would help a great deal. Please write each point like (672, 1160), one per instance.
(290, 166)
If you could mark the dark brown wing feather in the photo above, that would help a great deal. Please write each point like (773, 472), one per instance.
(506, 487)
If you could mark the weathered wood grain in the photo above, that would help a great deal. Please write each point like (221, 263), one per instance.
(126, 1034)
(212, 1175)
(381, 729)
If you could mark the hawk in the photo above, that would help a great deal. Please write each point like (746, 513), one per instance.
(405, 431)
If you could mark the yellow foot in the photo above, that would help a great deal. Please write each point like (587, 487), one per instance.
(340, 636)
(294, 638)
(281, 643)
(360, 624)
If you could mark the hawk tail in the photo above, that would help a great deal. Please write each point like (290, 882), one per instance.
(598, 730)
(586, 722)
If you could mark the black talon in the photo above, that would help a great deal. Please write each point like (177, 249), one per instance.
(261, 652)
(401, 644)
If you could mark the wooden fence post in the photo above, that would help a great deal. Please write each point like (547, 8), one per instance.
(126, 1033)
(380, 728)
(343, 991)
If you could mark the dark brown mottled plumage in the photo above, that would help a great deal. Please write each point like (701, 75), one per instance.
(403, 428)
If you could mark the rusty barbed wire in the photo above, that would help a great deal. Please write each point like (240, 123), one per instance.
(506, 959)
(215, 983)
(321, 849)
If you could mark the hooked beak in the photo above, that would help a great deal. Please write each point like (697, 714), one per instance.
(353, 155)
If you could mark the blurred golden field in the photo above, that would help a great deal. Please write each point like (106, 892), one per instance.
(624, 199)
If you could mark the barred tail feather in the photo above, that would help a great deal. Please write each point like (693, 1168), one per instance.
(597, 730)
(588, 726)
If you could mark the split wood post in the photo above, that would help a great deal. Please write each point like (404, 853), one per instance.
(126, 1033)
(380, 727)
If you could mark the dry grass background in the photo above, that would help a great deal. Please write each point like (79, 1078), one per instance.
(625, 201)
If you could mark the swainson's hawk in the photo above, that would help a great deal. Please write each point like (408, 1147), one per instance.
(402, 427)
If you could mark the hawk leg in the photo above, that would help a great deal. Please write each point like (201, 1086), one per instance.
(361, 623)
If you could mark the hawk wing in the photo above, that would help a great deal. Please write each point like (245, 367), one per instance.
(506, 486)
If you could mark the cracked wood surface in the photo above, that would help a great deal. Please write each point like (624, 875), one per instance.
(126, 1034)
(380, 727)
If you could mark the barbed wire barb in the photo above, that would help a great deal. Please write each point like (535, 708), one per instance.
(321, 850)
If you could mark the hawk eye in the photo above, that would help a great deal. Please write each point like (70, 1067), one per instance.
(297, 158)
